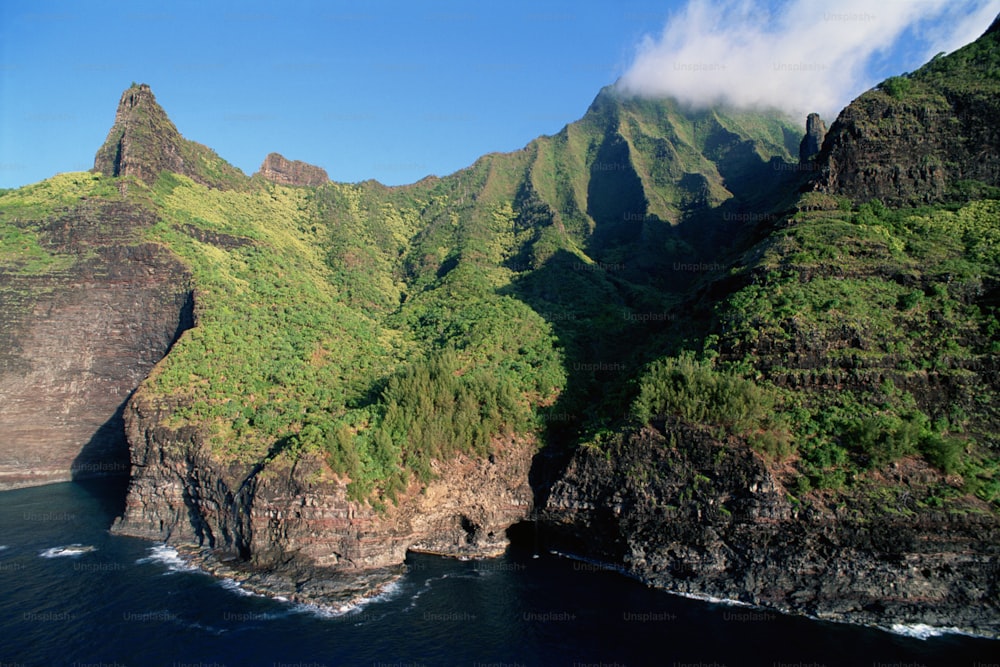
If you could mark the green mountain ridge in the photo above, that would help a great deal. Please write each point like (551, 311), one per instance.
(923, 137)
(712, 347)
(545, 279)
(494, 268)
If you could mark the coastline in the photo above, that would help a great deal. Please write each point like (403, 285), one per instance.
(328, 589)
(337, 592)
(921, 631)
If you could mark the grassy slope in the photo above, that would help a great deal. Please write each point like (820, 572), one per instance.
(874, 332)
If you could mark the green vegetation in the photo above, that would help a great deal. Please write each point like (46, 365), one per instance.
(25, 246)
(896, 86)
(883, 305)
(637, 267)
(697, 392)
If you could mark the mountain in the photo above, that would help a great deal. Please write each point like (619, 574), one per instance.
(143, 142)
(924, 137)
(678, 340)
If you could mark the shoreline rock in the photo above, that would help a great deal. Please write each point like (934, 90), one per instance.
(738, 536)
(280, 514)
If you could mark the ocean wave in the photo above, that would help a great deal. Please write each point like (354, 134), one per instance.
(194, 625)
(428, 582)
(924, 631)
(349, 609)
(163, 554)
(236, 587)
(67, 551)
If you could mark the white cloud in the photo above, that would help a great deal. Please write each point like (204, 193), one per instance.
(799, 56)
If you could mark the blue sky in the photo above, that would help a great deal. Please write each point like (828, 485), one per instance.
(398, 90)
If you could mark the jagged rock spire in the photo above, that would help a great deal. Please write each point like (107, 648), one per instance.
(813, 141)
(143, 141)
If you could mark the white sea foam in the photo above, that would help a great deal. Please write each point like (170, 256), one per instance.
(917, 630)
(713, 599)
(390, 591)
(321, 610)
(236, 587)
(163, 554)
(924, 631)
(69, 550)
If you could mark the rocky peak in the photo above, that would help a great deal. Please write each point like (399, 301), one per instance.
(278, 169)
(921, 138)
(813, 141)
(143, 141)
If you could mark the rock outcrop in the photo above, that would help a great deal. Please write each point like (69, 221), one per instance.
(812, 142)
(144, 142)
(918, 137)
(689, 513)
(282, 171)
(281, 518)
(76, 342)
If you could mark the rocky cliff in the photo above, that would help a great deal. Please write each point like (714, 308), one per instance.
(278, 169)
(688, 512)
(813, 141)
(78, 337)
(143, 142)
(918, 138)
(287, 523)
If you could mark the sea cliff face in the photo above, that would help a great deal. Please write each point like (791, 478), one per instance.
(284, 517)
(687, 512)
(77, 340)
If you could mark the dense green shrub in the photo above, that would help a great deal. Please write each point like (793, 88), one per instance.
(896, 86)
(697, 392)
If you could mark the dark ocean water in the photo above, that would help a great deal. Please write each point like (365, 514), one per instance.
(130, 602)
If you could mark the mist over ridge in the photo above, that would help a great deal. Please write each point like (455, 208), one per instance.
(799, 56)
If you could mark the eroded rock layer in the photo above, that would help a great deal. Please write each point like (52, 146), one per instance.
(277, 169)
(77, 341)
(282, 516)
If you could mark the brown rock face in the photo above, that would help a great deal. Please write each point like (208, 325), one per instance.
(922, 134)
(279, 515)
(75, 344)
(143, 142)
(279, 170)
